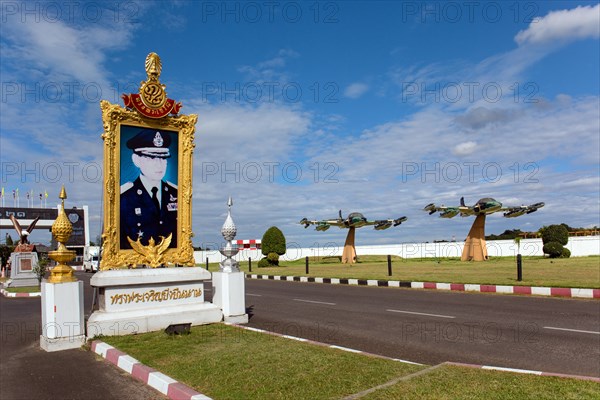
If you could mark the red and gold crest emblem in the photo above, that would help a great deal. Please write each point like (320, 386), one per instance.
(152, 101)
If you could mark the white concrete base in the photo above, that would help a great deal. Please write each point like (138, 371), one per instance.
(21, 273)
(229, 294)
(118, 323)
(62, 316)
(64, 343)
(146, 300)
(236, 319)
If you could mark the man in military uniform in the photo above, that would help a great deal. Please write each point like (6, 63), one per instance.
(149, 204)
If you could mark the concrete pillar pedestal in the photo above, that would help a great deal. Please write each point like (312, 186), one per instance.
(62, 316)
(229, 294)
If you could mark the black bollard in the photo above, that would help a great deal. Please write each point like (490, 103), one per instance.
(306, 265)
(519, 268)
(389, 265)
(249, 264)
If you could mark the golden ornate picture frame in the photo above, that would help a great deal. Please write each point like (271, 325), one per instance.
(154, 254)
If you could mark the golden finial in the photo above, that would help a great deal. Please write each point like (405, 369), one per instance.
(153, 66)
(152, 92)
(63, 193)
(62, 230)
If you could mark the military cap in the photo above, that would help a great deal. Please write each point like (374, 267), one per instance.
(150, 143)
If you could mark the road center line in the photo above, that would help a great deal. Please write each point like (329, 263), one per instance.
(315, 302)
(252, 294)
(571, 330)
(418, 313)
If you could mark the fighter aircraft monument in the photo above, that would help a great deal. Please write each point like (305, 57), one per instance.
(475, 247)
(353, 221)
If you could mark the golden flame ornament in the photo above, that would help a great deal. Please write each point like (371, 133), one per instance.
(62, 230)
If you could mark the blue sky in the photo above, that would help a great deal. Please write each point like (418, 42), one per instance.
(306, 108)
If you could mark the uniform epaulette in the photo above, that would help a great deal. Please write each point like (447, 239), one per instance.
(172, 184)
(126, 186)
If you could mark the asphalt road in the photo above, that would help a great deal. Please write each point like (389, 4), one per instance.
(546, 334)
(28, 372)
(543, 334)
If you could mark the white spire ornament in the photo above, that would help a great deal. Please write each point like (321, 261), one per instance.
(229, 231)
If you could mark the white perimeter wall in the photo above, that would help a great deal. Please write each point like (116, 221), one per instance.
(580, 246)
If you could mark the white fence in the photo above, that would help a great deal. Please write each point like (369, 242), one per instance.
(580, 246)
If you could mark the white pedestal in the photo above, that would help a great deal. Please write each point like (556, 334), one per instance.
(229, 294)
(146, 300)
(62, 316)
(21, 272)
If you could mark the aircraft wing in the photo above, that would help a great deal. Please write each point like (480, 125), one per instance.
(449, 211)
(322, 225)
(512, 212)
(382, 224)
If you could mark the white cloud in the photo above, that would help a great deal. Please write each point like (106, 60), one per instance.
(59, 50)
(355, 90)
(464, 149)
(564, 25)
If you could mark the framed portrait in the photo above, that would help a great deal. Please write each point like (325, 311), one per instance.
(147, 189)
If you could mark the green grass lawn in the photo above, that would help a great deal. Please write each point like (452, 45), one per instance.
(463, 383)
(226, 362)
(537, 271)
(24, 289)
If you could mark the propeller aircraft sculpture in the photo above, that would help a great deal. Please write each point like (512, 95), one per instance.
(353, 221)
(475, 247)
(484, 206)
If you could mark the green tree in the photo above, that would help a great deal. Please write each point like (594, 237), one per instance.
(554, 237)
(273, 241)
(9, 240)
(272, 245)
(555, 233)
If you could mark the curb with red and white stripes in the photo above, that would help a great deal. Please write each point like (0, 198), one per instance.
(166, 385)
(581, 293)
(178, 391)
(6, 293)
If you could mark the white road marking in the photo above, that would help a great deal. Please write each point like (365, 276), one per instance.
(517, 370)
(418, 313)
(333, 346)
(571, 330)
(316, 302)
(252, 294)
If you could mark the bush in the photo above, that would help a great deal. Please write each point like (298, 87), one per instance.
(566, 253)
(273, 259)
(553, 249)
(263, 263)
(40, 268)
(273, 241)
(555, 233)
